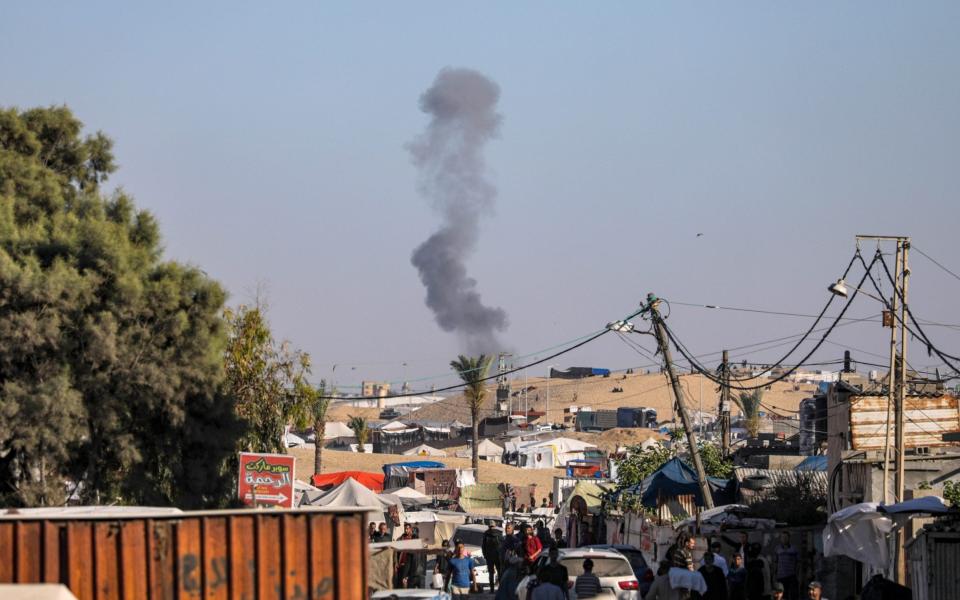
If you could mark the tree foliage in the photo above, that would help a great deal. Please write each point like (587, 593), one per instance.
(267, 381)
(110, 357)
(641, 463)
(473, 372)
(749, 403)
(316, 416)
(951, 493)
(361, 430)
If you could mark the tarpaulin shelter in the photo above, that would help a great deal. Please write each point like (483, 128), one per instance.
(482, 498)
(374, 481)
(813, 463)
(677, 478)
(397, 474)
(410, 496)
(582, 508)
(860, 532)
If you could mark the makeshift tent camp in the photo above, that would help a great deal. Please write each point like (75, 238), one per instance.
(374, 481)
(424, 450)
(397, 474)
(547, 454)
(677, 478)
(582, 508)
(486, 450)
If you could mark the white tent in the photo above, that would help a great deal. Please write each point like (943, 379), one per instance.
(337, 429)
(294, 441)
(410, 495)
(352, 494)
(424, 450)
(564, 449)
(486, 450)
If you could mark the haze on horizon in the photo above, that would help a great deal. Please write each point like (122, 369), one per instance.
(270, 144)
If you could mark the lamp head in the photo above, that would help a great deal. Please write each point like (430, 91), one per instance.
(839, 288)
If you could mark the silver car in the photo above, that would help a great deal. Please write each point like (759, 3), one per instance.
(613, 569)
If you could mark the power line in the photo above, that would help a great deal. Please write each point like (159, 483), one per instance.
(935, 261)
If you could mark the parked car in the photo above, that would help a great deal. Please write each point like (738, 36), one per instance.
(638, 563)
(612, 567)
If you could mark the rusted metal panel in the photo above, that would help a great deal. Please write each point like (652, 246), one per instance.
(243, 555)
(926, 419)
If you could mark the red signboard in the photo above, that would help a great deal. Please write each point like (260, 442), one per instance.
(266, 479)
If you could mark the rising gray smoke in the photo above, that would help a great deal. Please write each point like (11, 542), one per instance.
(449, 154)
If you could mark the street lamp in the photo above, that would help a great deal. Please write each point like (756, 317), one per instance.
(842, 288)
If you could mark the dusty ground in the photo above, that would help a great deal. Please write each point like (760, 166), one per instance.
(650, 390)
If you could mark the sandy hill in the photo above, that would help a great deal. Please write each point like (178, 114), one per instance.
(648, 390)
(489, 472)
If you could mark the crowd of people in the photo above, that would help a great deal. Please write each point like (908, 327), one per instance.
(745, 574)
(748, 575)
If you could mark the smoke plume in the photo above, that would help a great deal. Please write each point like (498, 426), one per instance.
(449, 155)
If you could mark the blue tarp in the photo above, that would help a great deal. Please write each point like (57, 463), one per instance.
(677, 478)
(812, 463)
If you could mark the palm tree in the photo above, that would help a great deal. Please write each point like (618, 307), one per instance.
(749, 404)
(318, 414)
(360, 429)
(473, 372)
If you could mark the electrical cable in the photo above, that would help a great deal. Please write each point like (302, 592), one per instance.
(920, 333)
(683, 351)
(934, 261)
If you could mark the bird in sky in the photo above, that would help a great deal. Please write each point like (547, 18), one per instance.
(699, 235)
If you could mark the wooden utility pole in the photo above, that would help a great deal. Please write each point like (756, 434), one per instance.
(725, 405)
(652, 303)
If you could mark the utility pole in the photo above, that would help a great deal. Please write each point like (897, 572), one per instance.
(725, 405)
(891, 385)
(897, 392)
(503, 386)
(661, 334)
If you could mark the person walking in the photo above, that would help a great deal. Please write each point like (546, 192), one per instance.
(461, 577)
(553, 571)
(788, 563)
(532, 547)
(718, 558)
(510, 579)
(660, 588)
(408, 564)
(558, 538)
(737, 579)
(491, 548)
(587, 584)
(715, 579)
(758, 575)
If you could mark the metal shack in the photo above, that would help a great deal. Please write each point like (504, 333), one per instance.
(857, 434)
(238, 554)
(934, 559)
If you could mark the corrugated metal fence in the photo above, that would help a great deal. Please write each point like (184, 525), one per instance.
(242, 555)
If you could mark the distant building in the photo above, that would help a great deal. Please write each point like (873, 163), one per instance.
(378, 389)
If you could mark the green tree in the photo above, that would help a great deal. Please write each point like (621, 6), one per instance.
(641, 463)
(361, 430)
(110, 357)
(314, 414)
(472, 372)
(713, 461)
(749, 403)
(267, 381)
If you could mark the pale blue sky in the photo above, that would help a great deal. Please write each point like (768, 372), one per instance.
(268, 138)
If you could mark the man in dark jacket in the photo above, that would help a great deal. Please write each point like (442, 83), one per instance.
(491, 548)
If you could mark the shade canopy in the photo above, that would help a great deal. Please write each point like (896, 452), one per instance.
(373, 481)
(677, 478)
